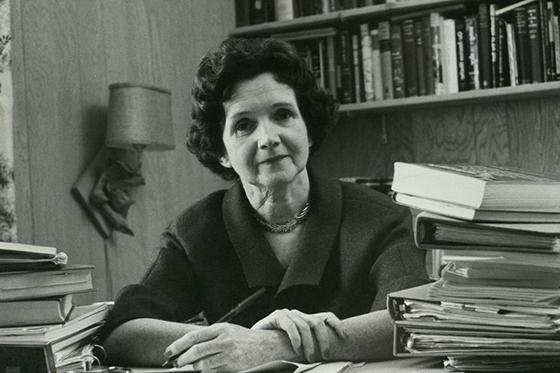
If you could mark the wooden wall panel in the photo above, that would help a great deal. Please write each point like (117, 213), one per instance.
(66, 54)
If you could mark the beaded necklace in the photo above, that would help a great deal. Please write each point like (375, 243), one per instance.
(286, 226)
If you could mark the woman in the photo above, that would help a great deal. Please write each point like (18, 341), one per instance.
(325, 250)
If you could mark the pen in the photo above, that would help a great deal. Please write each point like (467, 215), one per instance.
(243, 305)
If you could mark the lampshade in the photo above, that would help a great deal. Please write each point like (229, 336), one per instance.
(139, 114)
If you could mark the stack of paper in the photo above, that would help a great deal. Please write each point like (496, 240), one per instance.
(498, 281)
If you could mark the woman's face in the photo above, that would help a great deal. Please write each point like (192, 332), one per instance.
(265, 137)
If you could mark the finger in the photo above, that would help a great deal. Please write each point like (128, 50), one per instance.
(331, 320)
(279, 320)
(292, 330)
(200, 351)
(190, 339)
(268, 322)
(319, 330)
(304, 331)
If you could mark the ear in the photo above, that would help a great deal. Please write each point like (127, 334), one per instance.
(224, 161)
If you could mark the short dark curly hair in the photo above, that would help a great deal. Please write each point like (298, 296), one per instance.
(236, 60)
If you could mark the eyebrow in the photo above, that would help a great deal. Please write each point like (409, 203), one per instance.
(274, 106)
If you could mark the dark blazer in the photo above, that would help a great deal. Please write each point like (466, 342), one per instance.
(356, 247)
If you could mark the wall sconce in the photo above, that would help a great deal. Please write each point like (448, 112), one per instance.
(138, 119)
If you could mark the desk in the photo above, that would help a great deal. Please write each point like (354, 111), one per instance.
(403, 365)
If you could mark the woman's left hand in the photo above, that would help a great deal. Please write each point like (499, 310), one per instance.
(304, 330)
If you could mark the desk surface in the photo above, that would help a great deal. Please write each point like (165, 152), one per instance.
(403, 365)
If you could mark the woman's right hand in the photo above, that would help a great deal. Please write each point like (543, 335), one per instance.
(306, 331)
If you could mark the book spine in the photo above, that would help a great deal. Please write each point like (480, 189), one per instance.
(493, 44)
(376, 65)
(512, 56)
(545, 42)
(462, 59)
(474, 71)
(502, 54)
(420, 69)
(485, 57)
(284, 10)
(331, 63)
(435, 26)
(269, 11)
(386, 65)
(257, 13)
(369, 92)
(522, 45)
(397, 61)
(357, 68)
(428, 55)
(534, 32)
(242, 13)
(346, 88)
(556, 37)
(450, 80)
(409, 58)
(552, 45)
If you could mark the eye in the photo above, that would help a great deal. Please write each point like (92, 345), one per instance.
(284, 114)
(243, 126)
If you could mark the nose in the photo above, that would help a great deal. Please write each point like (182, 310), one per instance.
(267, 135)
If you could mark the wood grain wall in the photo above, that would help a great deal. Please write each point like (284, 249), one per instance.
(520, 133)
(66, 52)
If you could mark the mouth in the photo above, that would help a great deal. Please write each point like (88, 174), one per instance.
(274, 159)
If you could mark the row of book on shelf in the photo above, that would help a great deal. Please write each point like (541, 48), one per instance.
(494, 236)
(41, 329)
(251, 12)
(458, 47)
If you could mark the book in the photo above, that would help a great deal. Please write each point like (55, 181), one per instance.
(365, 39)
(357, 67)
(461, 42)
(512, 55)
(473, 214)
(429, 340)
(242, 17)
(485, 56)
(473, 69)
(35, 312)
(376, 66)
(493, 44)
(419, 44)
(478, 186)
(386, 60)
(428, 55)
(81, 318)
(397, 63)
(18, 256)
(535, 47)
(449, 57)
(501, 272)
(284, 10)
(409, 54)
(66, 279)
(437, 57)
(345, 85)
(437, 231)
(522, 45)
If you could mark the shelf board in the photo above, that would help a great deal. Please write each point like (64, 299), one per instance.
(341, 16)
(477, 96)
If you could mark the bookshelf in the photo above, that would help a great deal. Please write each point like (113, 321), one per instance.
(384, 12)
(341, 17)
(525, 91)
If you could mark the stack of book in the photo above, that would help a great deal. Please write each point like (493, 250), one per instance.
(495, 304)
(40, 328)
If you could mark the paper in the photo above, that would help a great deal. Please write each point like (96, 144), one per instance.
(281, 365)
